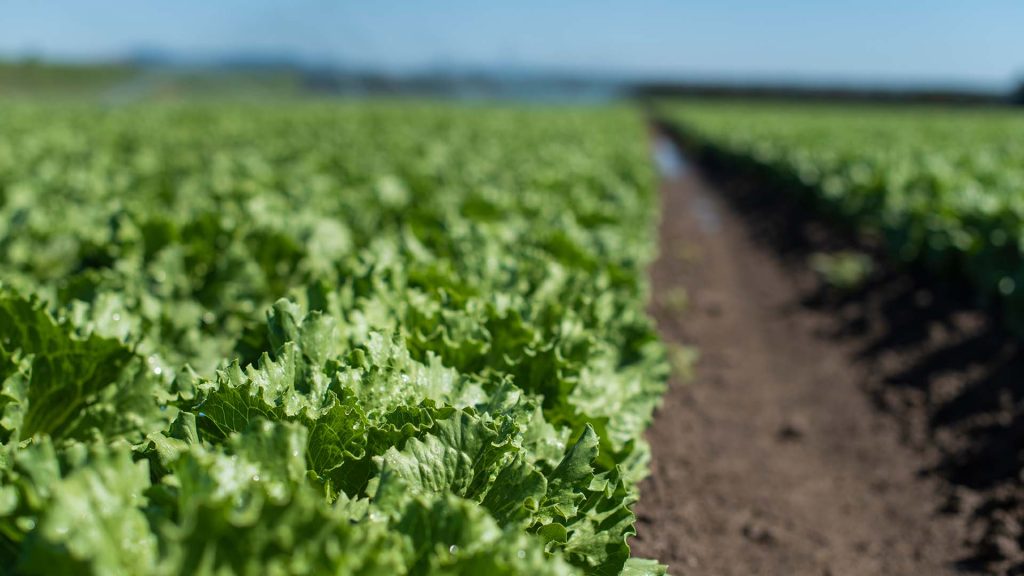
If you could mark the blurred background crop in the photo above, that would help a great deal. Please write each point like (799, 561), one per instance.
(120, 51)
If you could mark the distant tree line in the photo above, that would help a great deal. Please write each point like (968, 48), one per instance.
(831, 94)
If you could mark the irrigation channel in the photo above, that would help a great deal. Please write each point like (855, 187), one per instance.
(786, 453)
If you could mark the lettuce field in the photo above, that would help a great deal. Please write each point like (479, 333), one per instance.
(316, 337)
(324, 339)
(936, 187)
(894, 233)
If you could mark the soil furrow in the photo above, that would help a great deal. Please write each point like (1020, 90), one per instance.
(774, 459)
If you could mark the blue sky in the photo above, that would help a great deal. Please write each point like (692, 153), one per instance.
(979, 42)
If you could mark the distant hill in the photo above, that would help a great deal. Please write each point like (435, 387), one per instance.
(150, 73)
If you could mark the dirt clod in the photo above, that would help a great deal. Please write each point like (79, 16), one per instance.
(792, 429)
(759, 533)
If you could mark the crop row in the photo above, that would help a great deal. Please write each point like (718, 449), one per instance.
(345, 338)
(939, 187)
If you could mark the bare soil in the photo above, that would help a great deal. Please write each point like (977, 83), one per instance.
(824, 433)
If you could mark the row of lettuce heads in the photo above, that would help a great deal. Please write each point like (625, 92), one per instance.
(939, 187)
(323, 339)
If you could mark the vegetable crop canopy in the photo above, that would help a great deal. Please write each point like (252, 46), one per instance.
(938, 187)
(323, 339)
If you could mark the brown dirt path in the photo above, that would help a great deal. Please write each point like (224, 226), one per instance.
(773, 460)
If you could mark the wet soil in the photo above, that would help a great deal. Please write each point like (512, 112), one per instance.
(824, 432)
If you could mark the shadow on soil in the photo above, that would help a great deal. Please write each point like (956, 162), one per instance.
(950, 373)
